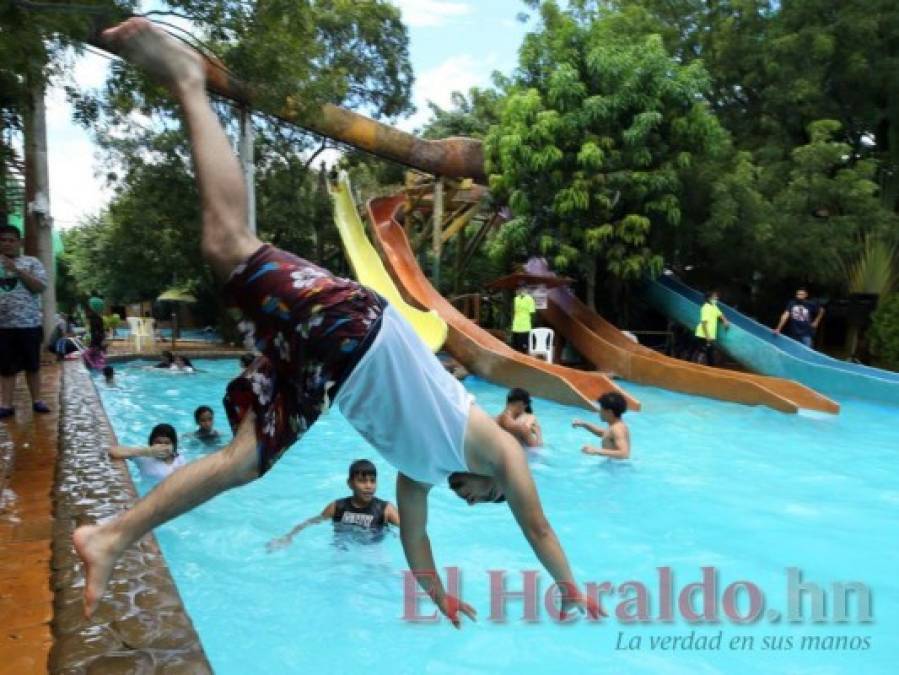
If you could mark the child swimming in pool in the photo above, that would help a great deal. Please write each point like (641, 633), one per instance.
(323, 340)
(160, 456)
(362, 510)
(616, 440)
(519, 419)
(206, 432)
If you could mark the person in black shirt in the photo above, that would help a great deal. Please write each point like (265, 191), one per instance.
(168, 360)
(801, 318)
(361, 510)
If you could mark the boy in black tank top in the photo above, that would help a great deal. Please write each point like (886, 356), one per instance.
(360, 511)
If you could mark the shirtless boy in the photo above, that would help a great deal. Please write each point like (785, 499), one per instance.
(616, 439)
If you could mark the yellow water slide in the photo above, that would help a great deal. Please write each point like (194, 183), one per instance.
(370, 271)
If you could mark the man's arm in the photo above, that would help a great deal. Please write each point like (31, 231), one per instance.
(514, 478)
(592, 428)
(392, 515)
(412, 500)
(279, 543)
(818, 317)
(783, 322)
(36, 283)
(157, 451)
(536, 434)
(723, 319)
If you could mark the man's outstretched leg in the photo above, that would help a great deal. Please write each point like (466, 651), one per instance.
(226, 240)
(99, 546)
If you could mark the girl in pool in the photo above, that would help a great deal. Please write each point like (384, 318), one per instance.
(205, 433)
(182, 364)
(323, 339)
(175, 363)
(519, 419)
(160, 456)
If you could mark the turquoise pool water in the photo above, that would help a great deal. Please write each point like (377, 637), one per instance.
(746, 490)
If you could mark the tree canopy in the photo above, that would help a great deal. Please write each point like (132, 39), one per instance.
(349, 53)
(591, 146)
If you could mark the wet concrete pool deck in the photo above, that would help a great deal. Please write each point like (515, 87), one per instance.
(27, 467)
(55, 475)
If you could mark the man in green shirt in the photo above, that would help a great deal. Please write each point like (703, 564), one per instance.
(523, 308)
(707, 329)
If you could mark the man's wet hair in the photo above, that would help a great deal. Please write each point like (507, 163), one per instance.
(200, 410)
(363, 468)
(614, 402)
(166, 431)
(9, 229)
(108, 372)
(457, 479)
(520, 396)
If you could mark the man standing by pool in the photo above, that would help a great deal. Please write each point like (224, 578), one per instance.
(801, 318)
(22, 280)
(322, 339)
(523, 309)
(707, 329)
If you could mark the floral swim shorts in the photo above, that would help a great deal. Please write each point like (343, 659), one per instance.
(311, 328)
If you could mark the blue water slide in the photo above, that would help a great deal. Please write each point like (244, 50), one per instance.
(760, 350)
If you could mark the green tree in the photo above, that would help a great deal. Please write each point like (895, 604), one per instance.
(593, 146)
(34, 50)
(301, 54)
(350, 53)
(884, 333)
(470, 115)
(794, 219)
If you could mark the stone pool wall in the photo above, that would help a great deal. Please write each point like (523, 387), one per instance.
(141, 625)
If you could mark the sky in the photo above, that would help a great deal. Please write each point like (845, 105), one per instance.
(453, 45)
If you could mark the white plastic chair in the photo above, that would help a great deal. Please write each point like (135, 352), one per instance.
(540, 343)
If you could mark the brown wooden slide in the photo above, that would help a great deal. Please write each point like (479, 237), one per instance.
(610, 350)
(471, 345)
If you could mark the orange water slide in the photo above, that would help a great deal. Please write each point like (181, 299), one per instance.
(471, 345)
(607, 348)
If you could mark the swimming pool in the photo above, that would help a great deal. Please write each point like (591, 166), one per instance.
(746, 490)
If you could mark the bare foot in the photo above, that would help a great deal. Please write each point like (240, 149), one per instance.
(170, 61)
(98, 553)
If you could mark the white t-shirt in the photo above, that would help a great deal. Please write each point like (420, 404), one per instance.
(150, 467)
(19, 307)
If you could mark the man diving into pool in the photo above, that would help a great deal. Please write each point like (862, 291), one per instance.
(322, 339)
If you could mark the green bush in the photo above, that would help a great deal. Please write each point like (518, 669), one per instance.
(884, 333)
(111, 322)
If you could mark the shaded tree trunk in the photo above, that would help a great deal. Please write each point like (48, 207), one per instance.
(38, 223)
